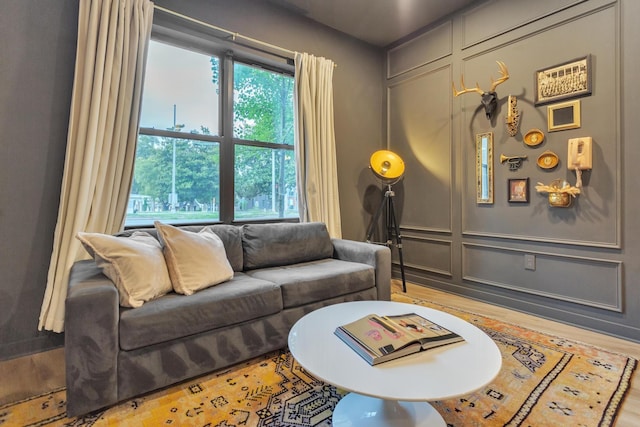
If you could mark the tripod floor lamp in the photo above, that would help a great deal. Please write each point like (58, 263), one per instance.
(389, 168)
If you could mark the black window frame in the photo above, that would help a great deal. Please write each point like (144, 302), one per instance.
(201, 40)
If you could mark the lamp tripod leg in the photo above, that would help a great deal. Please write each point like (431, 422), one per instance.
(396, 228)
(391, 229)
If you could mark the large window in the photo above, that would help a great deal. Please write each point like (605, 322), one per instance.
(215, 140)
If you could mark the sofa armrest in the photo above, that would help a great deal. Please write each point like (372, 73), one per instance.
(91, 339)
(377, 256)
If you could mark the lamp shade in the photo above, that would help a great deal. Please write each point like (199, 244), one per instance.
(386, 165)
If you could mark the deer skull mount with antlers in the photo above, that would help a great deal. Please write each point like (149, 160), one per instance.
(490, 97)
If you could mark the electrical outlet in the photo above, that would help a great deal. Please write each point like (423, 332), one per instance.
(529, 262)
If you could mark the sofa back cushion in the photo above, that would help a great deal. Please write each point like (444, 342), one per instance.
(231, 236)
(269, 245)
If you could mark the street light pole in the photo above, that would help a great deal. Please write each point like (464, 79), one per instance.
(174, 195)
(173, 179)
(173, 169)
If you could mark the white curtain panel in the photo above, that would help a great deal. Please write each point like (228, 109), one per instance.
(317, 171)
(113, 37)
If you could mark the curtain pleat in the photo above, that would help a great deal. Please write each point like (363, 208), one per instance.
(317, 171)
(113, 37)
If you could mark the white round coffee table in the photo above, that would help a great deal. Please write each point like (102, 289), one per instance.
(393, 393)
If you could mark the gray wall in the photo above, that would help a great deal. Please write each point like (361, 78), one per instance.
(37, 58)
(36, 77)
(585, 272)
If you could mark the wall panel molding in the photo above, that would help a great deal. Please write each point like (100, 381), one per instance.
(538, 239)
(420, 131)
(419, 229)
(480, 24)
(426, 48)
(587, 281)
(427, 254)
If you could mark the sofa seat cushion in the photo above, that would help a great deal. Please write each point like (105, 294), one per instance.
(319, 280)
(172, 316)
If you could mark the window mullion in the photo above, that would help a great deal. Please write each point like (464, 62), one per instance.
(227, 158)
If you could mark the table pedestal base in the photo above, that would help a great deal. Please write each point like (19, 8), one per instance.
(357, 410)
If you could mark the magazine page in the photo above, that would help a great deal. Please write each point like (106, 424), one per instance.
(378, 335)
(419, 327)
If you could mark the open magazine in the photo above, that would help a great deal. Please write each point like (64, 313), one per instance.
(378, 339)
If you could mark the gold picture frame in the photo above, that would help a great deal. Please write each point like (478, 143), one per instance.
(484, 168)
(565, 115)
(563, 81)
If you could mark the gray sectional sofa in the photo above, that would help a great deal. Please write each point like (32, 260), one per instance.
(281, 272)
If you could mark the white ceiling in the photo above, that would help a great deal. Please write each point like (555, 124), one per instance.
(378, 22)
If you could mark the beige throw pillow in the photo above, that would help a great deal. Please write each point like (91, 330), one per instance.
(195, 260)
(134, 264)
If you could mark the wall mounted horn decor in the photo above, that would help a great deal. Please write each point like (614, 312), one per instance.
(490, 97)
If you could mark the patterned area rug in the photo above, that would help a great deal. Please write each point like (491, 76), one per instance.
(544, 381)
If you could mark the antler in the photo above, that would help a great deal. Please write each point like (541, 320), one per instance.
(505, 76)
(464, 89)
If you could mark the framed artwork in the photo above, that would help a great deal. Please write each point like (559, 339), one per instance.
(565, 115)
(518, 190)
(563, 81)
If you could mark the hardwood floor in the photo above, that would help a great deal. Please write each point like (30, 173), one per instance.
(630, 411)
(31, 375)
